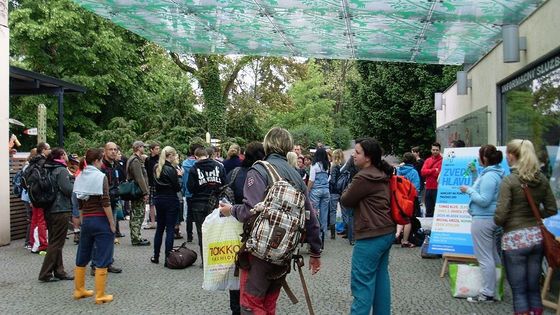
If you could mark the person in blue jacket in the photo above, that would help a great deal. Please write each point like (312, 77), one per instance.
(409, 172)
(484, 196)
(187, 165)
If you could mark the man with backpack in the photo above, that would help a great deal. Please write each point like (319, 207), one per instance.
(205, 176)
(260, 278)
(38, 225)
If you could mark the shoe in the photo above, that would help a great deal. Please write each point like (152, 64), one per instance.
(49, 279)
(480, 298)
(142, 243)
(119, 234)
(344, 236)
(407, 245)
(150, 226)
(100, 280)
(155, 260)
(352, 243)
(178, 236)
(80, 284)
(189, 239)
(65, 277)
(92, 272)
(113, 269)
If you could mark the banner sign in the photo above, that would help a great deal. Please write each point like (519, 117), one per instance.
(553, 223)
(451, 227)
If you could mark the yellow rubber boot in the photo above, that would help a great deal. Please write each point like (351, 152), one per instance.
(80, 284)
(100, 279)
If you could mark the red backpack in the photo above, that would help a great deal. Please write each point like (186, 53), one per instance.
(403, 195)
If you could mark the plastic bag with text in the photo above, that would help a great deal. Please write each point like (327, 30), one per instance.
(220, 242)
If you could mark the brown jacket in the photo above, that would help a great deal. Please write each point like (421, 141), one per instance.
(369, 195)
(513, 211)
(137, 172)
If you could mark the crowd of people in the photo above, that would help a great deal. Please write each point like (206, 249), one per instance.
(504, 230)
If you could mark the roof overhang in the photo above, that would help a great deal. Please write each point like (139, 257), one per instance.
(423, 31)
(25, 82)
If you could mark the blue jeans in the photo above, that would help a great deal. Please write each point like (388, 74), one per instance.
(348, 219)
(332, 209)
(370, 282)
(523, 270)
(320, 198)
(95, 232)
(167, 209)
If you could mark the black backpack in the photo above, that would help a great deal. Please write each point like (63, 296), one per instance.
(40, 186)
(342, 181)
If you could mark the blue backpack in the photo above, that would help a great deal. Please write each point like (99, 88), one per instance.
(17, 183)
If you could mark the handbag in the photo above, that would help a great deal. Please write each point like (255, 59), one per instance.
(550, 244)
(130, 190)
(180, 257)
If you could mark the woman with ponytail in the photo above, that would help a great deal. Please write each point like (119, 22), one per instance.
(484, 195)
(98, 227)
(374, 229)
(522, 239)
(166, 200)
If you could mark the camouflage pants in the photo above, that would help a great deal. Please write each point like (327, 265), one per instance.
(136, 218)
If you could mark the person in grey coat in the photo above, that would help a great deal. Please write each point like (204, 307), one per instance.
(57, 216)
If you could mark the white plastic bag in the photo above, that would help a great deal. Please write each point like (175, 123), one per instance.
(466, 281)
(220, 242)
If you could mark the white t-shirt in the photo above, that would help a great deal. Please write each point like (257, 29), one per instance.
(315, 168)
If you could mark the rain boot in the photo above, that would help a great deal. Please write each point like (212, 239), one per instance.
(100, 279)
(80, 284)
(333, 231)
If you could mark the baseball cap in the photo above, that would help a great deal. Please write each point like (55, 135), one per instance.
(138, 144)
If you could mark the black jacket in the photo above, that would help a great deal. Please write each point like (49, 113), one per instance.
(110, 170)
(204, 177)
(150, 163)
(168, 182)
(64, 183)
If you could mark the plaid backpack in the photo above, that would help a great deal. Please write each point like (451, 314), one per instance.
(278, 227)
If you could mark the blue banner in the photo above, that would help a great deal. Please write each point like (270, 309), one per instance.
(451, 226)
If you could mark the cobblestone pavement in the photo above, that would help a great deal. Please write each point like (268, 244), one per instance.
(146, 288)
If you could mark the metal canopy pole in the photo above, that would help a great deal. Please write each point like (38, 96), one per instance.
(61, 117)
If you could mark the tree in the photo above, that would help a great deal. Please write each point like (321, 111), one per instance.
(127, 78)
(393, 102)
(206, 71)
(311, 106)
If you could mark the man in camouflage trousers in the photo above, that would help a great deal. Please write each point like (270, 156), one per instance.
(137, 172)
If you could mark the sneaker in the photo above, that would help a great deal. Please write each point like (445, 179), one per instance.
(480, 298)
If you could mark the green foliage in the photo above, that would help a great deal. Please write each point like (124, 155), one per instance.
(134, 89)
(312, 108)
(341, 138)
(393, 103)
(307, 136)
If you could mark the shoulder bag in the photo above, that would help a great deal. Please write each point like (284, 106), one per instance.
(551, 245)
(130, 190)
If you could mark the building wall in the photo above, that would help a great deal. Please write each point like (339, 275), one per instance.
(4, 115)
(541, 30)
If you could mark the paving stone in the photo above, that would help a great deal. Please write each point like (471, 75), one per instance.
(146, 288)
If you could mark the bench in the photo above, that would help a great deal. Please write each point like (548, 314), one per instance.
(451, 257)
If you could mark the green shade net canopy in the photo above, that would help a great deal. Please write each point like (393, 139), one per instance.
(423, 31)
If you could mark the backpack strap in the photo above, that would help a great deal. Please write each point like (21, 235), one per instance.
(272, 173)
